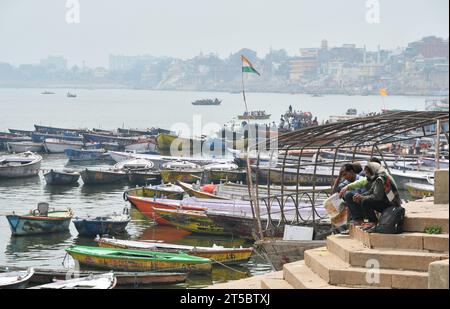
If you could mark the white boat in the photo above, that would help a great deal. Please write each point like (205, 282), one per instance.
(25, 164)
(18, 147)
(58, 146)
(101, 282)
(403, 177)
(15, 279)
(142, 146)
(180, 165)
(134, 164)
(221, 167)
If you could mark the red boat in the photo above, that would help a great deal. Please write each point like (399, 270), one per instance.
(145, 205)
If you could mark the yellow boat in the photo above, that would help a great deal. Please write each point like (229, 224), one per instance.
(418, 190)
(138, 260)
(164, 142)
(188, 175)
(214, 253)
(189, 189)
(219, 176)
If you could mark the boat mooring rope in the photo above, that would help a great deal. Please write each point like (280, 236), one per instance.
(230, 268)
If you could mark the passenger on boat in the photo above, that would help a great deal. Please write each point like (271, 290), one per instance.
(381, 193)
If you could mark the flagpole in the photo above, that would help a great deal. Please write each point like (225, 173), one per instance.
(254, 203)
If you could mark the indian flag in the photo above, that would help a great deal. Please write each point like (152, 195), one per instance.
(247, 66)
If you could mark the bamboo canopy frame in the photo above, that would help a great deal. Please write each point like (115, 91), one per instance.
(368, 132)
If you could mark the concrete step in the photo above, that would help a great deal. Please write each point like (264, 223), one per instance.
(335, 271)
(275, 284)
(299, 276)
(356, 254)
(409, 241)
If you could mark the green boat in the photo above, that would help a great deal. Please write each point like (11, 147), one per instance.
(138, 260)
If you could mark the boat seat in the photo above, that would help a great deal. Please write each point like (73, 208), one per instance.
(43, 209)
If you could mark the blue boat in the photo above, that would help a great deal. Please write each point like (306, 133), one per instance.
(65, 177)
(108, 138)
(86, 154)
(40, 221)
(110, 225)
(41, 137)
(58, 131)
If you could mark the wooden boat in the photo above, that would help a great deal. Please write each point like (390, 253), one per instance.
(21, 132)
(99, 282)
(220, 172)
(55, 130)
(86, 154)
(108, 138)
(138, 260)
(188, 176)
(404, 177)
(207, 102)
(26, 164)
(215, 253)
(64, 177)
(254, 116)
(15, 279)
(134, 165)
(192, 191)
(142, 178)
(18, 147)
(143, 145)
(168, 190)
(59, 146)
(146, 206)
(107, 225)
(419, 190)
(306, 177)
(216, 222)
(135, 279)
(40, 221)
(38, 137)
(165, 141)
(151, 131)
(100, 177)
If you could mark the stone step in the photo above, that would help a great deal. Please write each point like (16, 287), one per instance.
(299, 276)
(335, 271)
(275, 284)
(419, 223)
(410, 241)
(355, 253)
(424, 213)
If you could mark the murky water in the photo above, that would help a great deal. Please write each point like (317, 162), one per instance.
(22, 195)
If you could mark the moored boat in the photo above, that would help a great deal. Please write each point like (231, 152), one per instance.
(100, 282)
(420, 190)
(100, 177)
(215, 253)
(105, 225)
(138, 260)
(143, 145)
(18, 147)
(181, 171)
(59, 146)
(40, 221)
(108, 138)
(64, 177)
(143, 178)
(134, 165)
(25, 164)
(86, 154)
(197, 192)
(15, 279)
(168, 190)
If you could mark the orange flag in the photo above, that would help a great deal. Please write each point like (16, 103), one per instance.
(383, 92)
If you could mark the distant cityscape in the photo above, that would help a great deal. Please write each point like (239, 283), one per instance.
(421, 68)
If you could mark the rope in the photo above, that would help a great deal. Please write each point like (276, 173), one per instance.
(230, 268)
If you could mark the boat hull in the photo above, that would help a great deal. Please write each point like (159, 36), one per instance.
(24, 225)
(84, 155)
(144, 178)
(290, 178)
(172, 176)
(217, 176)
(51, 147)
(93, 228)
(57, 178)
(91, 177)
(24, 147)
(420, 190)
(21, 171)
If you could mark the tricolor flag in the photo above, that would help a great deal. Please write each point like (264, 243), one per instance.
(247, 66)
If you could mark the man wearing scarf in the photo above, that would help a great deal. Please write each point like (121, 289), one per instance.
(381, 193)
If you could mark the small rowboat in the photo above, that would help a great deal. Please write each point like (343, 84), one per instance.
(40, 221)
(215, 253)
(99, 282)
(138, 260)
(64, 177)
(86, 155)
(18, 147)
(99, 177)
(144, 177)
(111, 225)
(419, 190)
(26, 164)
(59, 146)
(15, 279)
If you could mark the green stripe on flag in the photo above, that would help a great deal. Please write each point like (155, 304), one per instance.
(249, 70)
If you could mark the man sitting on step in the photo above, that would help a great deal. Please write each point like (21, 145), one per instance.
(381, 193)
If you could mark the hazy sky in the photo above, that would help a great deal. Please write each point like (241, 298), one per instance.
(31, 29)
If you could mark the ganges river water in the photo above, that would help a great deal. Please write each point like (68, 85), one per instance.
(109, 109)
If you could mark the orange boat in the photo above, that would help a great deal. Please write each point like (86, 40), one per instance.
(146, 206)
